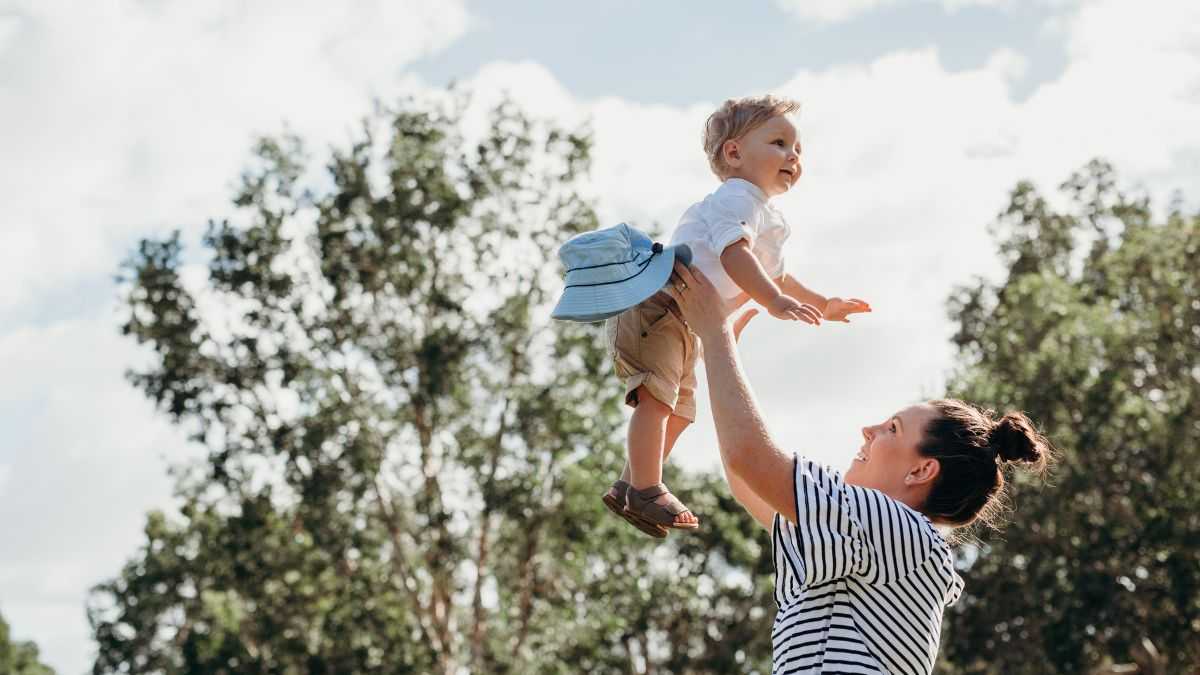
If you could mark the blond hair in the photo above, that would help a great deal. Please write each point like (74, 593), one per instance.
(737, 117)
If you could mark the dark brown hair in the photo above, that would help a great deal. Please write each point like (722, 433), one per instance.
(973, 449)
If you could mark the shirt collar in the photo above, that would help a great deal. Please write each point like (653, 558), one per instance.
(746, 187)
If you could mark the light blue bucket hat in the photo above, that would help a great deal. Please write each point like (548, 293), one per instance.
(611, 270)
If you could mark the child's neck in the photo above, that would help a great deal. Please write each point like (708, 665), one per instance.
(763, 193)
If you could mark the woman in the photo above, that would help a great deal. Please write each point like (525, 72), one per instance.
(862, 575)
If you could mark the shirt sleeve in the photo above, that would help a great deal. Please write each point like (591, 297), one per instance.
(844, 530)
(780, 268)
(774, 232)
(734, 217)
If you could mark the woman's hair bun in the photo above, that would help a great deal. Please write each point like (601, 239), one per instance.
(973, 449)
(1015, 440)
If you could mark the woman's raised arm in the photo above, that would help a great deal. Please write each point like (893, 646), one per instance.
(747, 450)
(754, 505)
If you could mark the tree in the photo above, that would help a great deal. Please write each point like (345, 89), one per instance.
(404, 456)
(1095, 332)
(19, 658)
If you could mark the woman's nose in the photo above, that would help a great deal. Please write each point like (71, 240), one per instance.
(866, 432)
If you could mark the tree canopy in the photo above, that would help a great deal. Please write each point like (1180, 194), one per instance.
(404, 455)
(19, 658)
(1094, 331)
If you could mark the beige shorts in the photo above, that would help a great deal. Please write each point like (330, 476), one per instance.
(653, 348)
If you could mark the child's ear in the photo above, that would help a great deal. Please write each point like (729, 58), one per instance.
(732, 153)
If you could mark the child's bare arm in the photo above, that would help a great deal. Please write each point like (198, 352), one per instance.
(745, 270)
(832, 309)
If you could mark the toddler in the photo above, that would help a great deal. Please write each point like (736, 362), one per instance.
(735, 236)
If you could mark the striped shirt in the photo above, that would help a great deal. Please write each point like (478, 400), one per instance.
(861, 581)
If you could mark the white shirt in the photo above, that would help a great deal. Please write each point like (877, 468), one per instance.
(736, 210)
(861, 581)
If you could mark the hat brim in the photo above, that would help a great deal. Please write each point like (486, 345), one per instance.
(587, 304)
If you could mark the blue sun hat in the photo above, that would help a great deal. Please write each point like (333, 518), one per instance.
(611, 270)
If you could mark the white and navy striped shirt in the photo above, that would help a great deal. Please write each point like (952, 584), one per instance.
(861, 581)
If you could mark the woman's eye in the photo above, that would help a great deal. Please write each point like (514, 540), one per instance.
(779, 143)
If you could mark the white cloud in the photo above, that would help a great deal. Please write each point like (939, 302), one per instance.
(831, 11)
(86, 458)
(834, 11)
(9, 25)
(955, 5)
(124, 117)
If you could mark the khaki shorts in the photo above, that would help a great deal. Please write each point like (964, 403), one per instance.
(653, 348)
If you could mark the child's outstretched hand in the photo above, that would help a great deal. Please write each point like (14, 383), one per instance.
(837, 309)
(790, 309)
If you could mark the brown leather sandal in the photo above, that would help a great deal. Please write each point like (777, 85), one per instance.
(614, 499)
(640, 504)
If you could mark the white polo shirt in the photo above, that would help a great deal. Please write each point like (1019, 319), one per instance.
(736, 210)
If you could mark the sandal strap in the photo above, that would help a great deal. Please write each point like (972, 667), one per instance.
(642, 503)
(674, 506)
(620, 490)
(649, 493)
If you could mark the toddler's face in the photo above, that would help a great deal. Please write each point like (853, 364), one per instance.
(768, 156)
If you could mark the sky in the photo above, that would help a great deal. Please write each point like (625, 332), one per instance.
(126, 119)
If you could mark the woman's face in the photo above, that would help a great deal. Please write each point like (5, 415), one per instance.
(888, 460)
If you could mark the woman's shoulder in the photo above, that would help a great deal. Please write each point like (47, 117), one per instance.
(930, 548)
(873, 508)
(902, 515)
(895, 539)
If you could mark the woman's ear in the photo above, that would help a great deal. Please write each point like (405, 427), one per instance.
(925, 471)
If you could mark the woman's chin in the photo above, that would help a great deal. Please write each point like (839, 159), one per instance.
(852, 472)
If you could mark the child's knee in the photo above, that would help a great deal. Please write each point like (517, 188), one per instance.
(647, 404)
(679, 422)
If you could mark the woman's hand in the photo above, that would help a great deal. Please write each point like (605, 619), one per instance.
(702, 306)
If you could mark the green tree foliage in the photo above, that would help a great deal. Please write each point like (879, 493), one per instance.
(404, 455)
(19, 658)
(1095, 332)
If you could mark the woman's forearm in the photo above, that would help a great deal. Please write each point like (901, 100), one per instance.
(747, 450)
(741, 432)
(754, 505)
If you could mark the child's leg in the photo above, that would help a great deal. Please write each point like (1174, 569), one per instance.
(685, 407)
(675, 427)
(653, 431)
(646, 440)
(653, 351)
